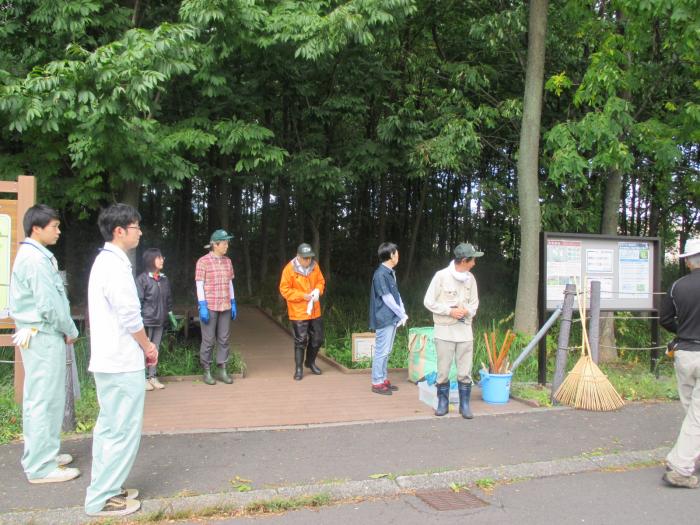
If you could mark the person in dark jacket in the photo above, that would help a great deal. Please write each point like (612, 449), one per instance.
(153, 289)
(386, 314)
(680, 314)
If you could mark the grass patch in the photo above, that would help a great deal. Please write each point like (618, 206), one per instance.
(272, 506)
(635, 466)
(634, 382)
(277, 505)
(486, 484)
(10, 414)
(538, 393)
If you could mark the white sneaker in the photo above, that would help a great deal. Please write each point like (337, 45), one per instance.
(157, 384)
(117, 506)
(64, 459)
(149, 385)
(58, 475)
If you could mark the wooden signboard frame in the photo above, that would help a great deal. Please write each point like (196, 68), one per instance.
(25, 189)
(359, 343)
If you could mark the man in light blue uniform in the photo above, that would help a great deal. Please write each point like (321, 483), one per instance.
(118, 344)
(39, 307)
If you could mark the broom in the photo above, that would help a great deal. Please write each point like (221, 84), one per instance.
(586, 386)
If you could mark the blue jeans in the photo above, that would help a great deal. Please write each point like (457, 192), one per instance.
(383, 344)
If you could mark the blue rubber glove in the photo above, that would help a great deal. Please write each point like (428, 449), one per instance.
(234, 312)
(203, 312)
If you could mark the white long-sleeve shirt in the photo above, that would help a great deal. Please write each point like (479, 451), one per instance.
(115, 314)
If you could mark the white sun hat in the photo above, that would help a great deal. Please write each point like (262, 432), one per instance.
(692, 246)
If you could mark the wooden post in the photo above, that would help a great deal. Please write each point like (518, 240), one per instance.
(594, 323)
(69, 409)
(563, 342)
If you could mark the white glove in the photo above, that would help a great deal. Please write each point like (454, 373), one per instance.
(315, 294)
(22, 336)
(403, 320)
(310, 306)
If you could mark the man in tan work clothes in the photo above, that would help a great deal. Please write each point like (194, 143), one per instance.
(453, 298)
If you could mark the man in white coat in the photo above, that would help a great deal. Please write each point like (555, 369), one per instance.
(118, 345)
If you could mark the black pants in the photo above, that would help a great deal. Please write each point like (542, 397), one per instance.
(308, 337)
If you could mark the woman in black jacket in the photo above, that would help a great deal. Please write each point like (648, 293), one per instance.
(153, 289)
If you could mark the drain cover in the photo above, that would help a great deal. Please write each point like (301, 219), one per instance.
(448, 499)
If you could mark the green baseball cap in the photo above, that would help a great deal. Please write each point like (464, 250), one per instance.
(305, 250)
(218, 236)
(465, 250)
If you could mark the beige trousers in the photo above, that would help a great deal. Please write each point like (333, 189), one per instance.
(687, 448)
(448, 351)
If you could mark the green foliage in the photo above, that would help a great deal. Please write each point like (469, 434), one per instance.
(10, 414)
(635, 382)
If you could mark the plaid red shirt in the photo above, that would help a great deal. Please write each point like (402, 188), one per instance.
(216, 272)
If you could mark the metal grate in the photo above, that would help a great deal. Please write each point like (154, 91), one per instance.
(448, 499)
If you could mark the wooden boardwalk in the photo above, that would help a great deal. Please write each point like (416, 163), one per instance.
(269, 397)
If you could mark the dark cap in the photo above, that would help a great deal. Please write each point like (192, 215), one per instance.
(465, 250)
(305, 250)
(218, 236)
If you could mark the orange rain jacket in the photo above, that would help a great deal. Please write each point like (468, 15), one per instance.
(293, 287)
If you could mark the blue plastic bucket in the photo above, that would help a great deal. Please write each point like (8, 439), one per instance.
(495, 388)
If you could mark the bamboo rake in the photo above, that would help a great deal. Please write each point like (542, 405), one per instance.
(586, 386)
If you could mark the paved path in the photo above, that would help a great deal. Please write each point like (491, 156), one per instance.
(269, 397)
(173, 466)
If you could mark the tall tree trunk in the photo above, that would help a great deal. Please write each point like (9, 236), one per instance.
(528, 190)
(264, 230)
(327, 247)
(224, 200)
(282, 256)
(381, 209)
(609, 226)
(131, 193)
(245, 220)
(416, 228)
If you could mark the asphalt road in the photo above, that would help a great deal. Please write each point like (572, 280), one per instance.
(170, 465)
(632, 497)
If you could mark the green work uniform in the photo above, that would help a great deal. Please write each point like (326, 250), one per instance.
(38, 300)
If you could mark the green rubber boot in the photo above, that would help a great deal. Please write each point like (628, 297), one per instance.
(207, 378)
(222, 375)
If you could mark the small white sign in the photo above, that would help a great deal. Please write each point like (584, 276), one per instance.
(363, 346)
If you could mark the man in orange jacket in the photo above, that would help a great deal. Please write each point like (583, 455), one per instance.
(301, 285)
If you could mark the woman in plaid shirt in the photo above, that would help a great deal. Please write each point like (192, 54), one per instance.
(217, 305)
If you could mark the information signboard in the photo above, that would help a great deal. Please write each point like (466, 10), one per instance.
(5, 263)
(626, 267)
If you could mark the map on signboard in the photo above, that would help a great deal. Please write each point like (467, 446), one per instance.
(5, 254)
(563, 265)
(634, 270)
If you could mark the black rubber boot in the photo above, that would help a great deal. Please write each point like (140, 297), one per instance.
(207, 378)
(443, 394)
(465, 392)
(310, 362)
(222, 375)
(298, 361)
